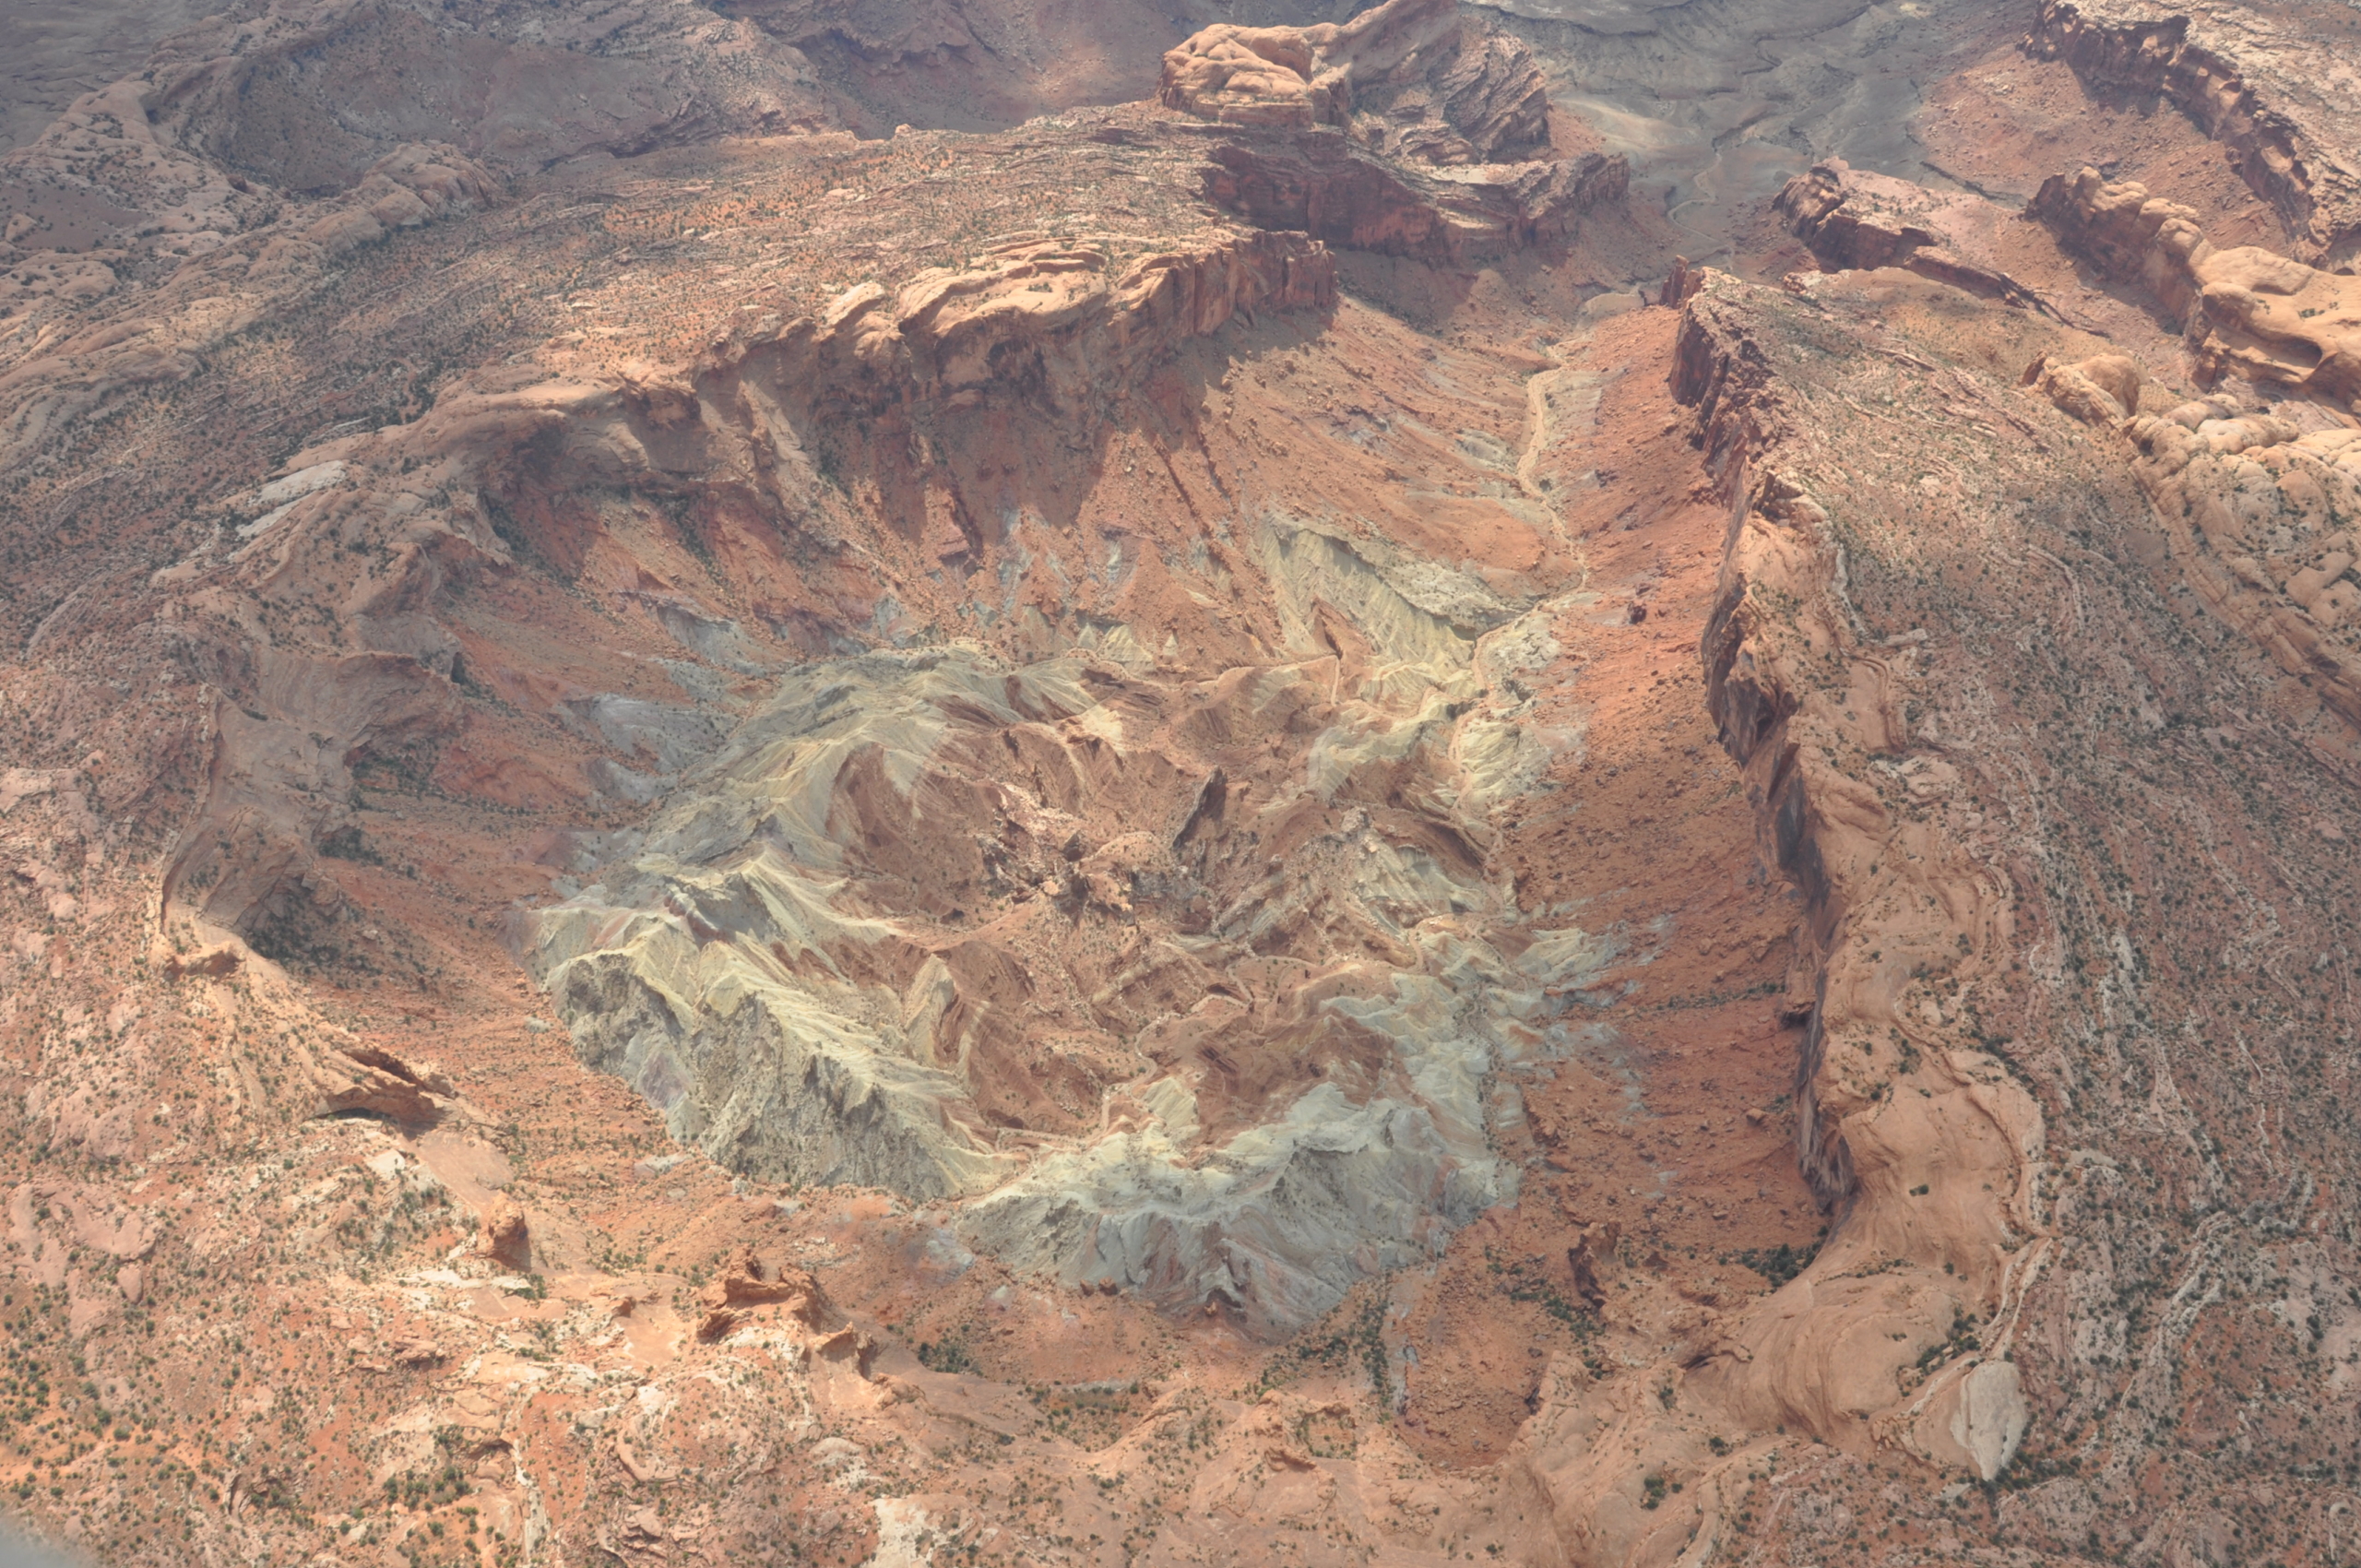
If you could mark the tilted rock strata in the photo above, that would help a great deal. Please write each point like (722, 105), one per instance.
(223, 291)
(1093, 731)
(302, 99)
(1853, 219)
(2258, 520)
(1932, 1316)
(1886, 739)
(282, 765)
(1325, 187)
(1047, 316)
(2254, 77)
(718, 974)
(1937, 1180)
(2256, 505)
(687, 968)
(1458, 115)
(2246, 310)
(1060, 326)
(1412, 78)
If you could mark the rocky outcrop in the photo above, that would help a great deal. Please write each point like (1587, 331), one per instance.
(1804, 740)
(506, 1237)
(2245, 311)
(1062, 322)
(1409, 131)
(280, 776)
(2252, 509)
(1851, 218)
(966, 63)
(1967, 962)
(2261, 80)
(725, 972)
(747, 1285)
(1324, 186)
(300, 98)
(2252, 502)
(1413, 78)
(178, 201)
(2259, 512)
(375, 1082)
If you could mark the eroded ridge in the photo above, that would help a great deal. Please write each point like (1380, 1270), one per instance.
(1995, 972)
(1274, 1009)
(2248, 75)
(2252, 503)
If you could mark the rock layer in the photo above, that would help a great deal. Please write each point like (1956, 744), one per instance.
(1854, 220)
(2250, 501)
(2246, 310)
(1465, 112)
(1411, 78)
(2247, 74)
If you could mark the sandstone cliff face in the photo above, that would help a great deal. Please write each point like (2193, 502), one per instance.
(1042, 318)
(2248, 76)
(914, 1069)
(2248, 311)
(2251, 501)
(1854, 220)
(1805, 700)
(1414, 78)
(1880, 771)
(1324, 186)
(1046, 325)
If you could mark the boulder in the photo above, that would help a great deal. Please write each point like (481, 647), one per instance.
(506, 1239)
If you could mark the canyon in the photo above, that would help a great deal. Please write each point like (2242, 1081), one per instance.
(1539, 783)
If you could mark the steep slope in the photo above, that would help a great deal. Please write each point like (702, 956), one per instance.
(2251, 76)
(2029, 848)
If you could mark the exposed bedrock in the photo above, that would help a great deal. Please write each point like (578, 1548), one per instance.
(2004, 998)
(1056, 327)
(2254, 77)
(1419, 79)
(1461, 114)
(1916, 1140)
(303, 99)
(1718, 102)
(2245, 311)
(1060, 321)
(184, 204)
(1852, 219)
(2255, 505)
(1187, 975)
(1323, 185)
(1157, 726)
